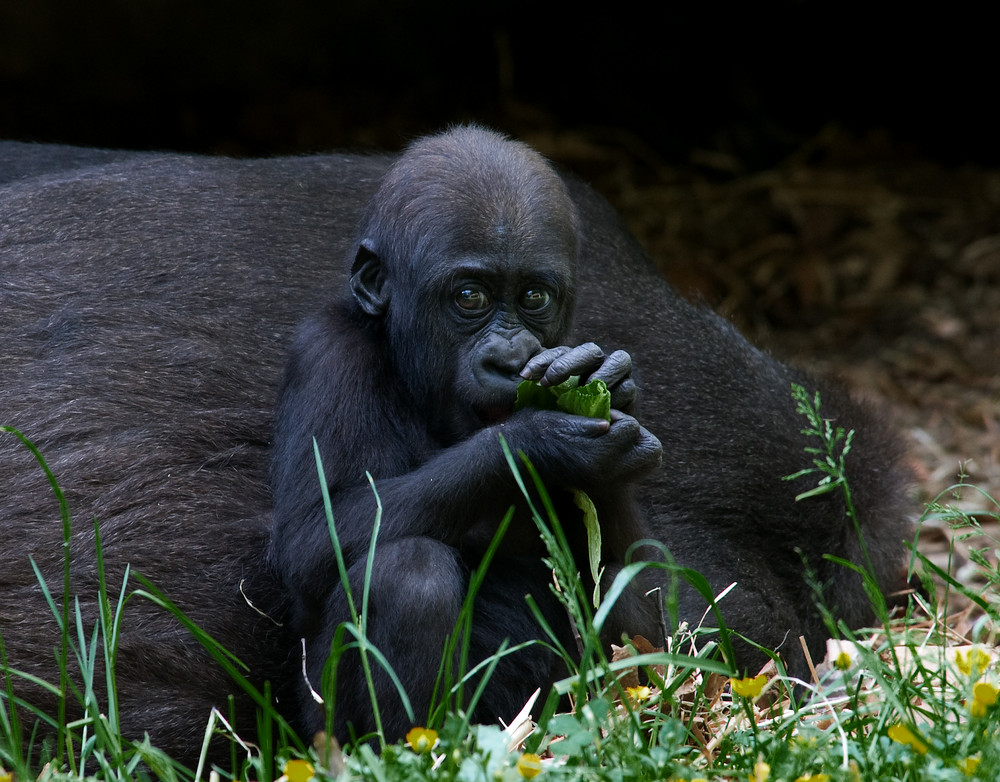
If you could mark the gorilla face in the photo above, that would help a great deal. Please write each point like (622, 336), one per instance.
(471, 273)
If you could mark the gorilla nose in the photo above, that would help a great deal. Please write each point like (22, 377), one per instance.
(498, 375)
(508, 367)
(503, 357)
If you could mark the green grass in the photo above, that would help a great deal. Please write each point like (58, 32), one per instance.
(906, 700)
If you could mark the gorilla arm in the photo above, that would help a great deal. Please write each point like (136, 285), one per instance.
(426, 489)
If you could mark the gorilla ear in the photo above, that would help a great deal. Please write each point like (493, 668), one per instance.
(368, 281)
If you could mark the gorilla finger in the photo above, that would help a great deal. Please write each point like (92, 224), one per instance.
(619, 416)
(581, 426)
(581, 360)
(624, 429)
(538, 363)
(632, 435)
(615, 368)
(623, 395)
(646, 455)
(651, 444)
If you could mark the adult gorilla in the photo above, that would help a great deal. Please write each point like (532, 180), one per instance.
(147, 303)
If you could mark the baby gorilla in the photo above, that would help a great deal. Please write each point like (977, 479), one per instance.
(462, 284)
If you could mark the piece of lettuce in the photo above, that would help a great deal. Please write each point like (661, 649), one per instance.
(592, 400)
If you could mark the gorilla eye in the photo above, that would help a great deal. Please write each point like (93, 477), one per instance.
(535, 299)
(472, 300)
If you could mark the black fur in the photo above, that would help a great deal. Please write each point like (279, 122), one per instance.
(401, 381)
(147, 304)
(145, 311)
(723, 412)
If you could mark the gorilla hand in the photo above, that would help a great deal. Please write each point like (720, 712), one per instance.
(583, 453)
(555, 365)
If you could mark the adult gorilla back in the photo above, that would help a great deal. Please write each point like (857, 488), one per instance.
(724, 414)
(146, 305)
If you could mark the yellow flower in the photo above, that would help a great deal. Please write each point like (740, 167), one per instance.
(641, 693)
(814, 778)
(970, 765)
(904, 735)
(761, 771)
(529, 765)
(748, 687)
(985, 693)
(973, 662)
(6, 776)
(299, 770)
(421, 740)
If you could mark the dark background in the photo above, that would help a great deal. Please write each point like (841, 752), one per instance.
(750, 80)
(826, 174)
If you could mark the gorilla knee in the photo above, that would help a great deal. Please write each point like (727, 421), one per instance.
(414, 600)
(418, 578)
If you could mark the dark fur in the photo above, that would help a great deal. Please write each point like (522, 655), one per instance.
(147, 304)
(145, 311)
(723, 412)
(396, 380)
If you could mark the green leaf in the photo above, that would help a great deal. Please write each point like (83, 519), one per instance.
(530, 393)
(584, 503)
(592, 400)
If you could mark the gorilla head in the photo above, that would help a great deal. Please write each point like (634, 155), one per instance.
(466, 255)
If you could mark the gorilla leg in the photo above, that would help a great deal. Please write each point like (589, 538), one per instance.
(502, 613)
(416, 593)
